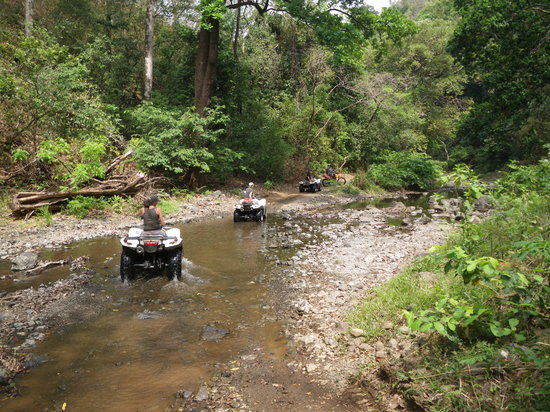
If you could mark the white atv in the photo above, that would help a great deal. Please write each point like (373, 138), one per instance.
(152, 249)
(250, 209)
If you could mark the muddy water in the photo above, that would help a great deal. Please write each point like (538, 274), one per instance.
(120, 362)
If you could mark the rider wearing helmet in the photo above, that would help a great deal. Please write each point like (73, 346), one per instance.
(330, 171)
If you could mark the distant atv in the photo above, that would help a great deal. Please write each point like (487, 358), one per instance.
(311, 185)
(250, 209)
(159, 250)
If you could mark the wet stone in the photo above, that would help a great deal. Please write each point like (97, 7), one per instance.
(213, 333)
(202, 394)
(24, 261)
(148, 315)
(32, 360)
(183, 394)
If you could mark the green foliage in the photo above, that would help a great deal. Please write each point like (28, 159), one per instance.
(268, 184)
(177, 142)
(523, 180)
(169, 206)
(502, 45)
(53, 116)
(362, 181)
(463, 177)
(82, 206)
(516, 297)
(211, 10)
(45, 213)
(405, 170)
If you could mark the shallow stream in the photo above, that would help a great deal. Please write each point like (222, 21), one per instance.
(121, 362)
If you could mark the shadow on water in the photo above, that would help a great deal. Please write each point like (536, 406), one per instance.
(146, 344)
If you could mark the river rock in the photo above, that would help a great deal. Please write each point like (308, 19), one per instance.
(483, 204)
(202, 394)
(356, 332)
(310, 367)
(25, 261)
(148, 315)
(32, 360)
(211, 333)
(183, 394)
(4, 376)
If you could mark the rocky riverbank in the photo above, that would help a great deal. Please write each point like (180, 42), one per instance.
(338, 255)
(324, 260)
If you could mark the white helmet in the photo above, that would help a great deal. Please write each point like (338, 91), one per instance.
(250, 184)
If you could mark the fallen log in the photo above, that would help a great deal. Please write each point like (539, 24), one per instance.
(25, 202)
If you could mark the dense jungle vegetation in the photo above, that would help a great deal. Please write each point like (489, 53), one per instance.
(269, 89)
(203, 92)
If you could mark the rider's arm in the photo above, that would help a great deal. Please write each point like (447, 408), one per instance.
(141, 211)
(161, 218)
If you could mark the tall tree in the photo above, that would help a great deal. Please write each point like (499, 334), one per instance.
(504, 47)
(148, 64)
(342, 26)
(28, 17)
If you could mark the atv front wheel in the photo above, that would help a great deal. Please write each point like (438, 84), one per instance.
(236, 217)
(341, 180)
(174, 265)
(127, 269)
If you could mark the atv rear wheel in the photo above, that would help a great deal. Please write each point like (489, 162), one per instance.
(259, 216)
(174, 265)
(127, 269)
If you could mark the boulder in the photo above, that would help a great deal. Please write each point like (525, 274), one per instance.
(483, 204)
(25, 261)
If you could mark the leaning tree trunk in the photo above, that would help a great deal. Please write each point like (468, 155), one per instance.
(28, 17)
(205, 65)
(148, 70)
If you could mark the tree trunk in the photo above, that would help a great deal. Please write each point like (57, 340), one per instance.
(148, 70)
(205, 65)
(28, 17)
(237, 30)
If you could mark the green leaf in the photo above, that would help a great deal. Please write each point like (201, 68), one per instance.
(513, 322)
(440, 328)
(425, 327)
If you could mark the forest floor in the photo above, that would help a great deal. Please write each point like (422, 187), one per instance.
(311, 294)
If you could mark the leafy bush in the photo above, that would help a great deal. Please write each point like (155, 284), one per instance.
(82, 206)
(45, 213)
(396, 170)
(362, 181)
(525, 179)
(176, 141)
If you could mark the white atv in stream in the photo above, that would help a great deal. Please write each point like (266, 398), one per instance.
(159, 250)
(250, 209)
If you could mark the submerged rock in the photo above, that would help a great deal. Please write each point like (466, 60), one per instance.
(148, 315)
(213, 333)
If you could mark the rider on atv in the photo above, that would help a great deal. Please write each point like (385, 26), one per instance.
(330, 171)
(151, 214)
